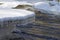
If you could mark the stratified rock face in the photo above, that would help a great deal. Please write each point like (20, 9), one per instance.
(48, 13)
(13, 18)
(46, 26)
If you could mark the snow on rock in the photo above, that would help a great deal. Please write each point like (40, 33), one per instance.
(53, 3)
(7, 14)
(46, 7)
(13, 4)
(9, 4)
(25, 3)
(7, 0)
(55, 9)
(32, 1)
(41, 6)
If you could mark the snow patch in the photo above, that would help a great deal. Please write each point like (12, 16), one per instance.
(13, 4)
(15, 14)
(46, 7)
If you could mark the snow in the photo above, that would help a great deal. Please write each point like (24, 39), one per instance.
(6, 0)
(30, 1)
(8, 4)
(53, 2)
(55, 9)
(45, 7)
(6, 14)
(13, 4)
(41, 6)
